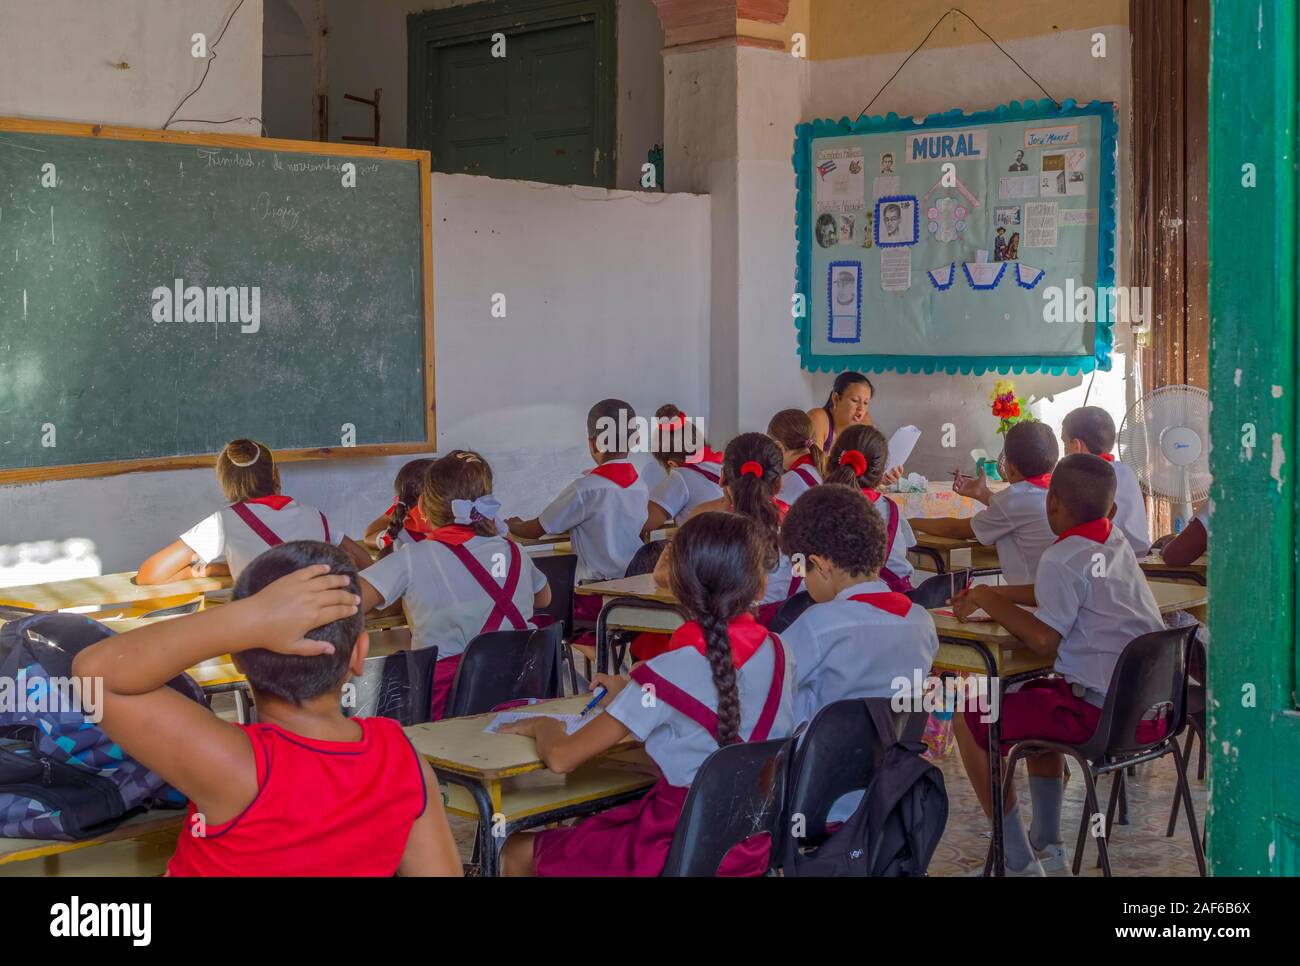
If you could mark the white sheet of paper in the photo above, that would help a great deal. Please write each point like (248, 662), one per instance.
(896, 269)
(1076, 217)
(1018, 186)
(840, 180)
(884, 185)
(1040, 224)
(571, 722)
(901, 445)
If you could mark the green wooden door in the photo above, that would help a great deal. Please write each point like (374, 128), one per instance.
(542, 112)
(1254, 820)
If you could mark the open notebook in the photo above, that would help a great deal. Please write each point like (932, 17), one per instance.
(571, 722)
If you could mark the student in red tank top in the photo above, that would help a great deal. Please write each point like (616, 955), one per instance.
(305, 791)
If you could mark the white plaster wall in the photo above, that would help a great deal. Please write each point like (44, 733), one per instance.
(606, 295)
(58, 60)
(974, 77)
(367, 49)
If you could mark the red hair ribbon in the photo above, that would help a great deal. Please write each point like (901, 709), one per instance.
(676, 422)
(851, 457)
(752, 468)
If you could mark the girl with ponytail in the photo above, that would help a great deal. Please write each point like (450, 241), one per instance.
(257, 518)
(801, 456)
(858, 460)
(402, 523)
(724, 679)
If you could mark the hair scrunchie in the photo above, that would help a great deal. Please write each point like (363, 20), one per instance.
(752, 468)
(853, 458)
(257, 456)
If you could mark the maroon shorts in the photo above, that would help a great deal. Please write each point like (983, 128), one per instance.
(1048, 709)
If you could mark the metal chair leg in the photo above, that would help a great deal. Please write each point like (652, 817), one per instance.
(1185, 791)
(1177, 802)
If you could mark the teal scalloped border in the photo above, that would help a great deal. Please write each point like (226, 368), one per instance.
(1031, 110)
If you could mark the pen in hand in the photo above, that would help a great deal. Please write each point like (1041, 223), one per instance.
(600, 696)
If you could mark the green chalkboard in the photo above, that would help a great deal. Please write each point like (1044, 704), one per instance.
(162, 293)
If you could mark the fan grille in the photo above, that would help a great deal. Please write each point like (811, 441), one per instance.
(1158, 438)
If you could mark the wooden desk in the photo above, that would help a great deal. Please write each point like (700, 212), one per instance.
(135, 850)
(984, 647)
(490, 775)
(939, 551)
(635, 604)
(1154, 566)
(106, 591)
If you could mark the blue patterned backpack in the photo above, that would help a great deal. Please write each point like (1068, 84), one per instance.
(61, 776)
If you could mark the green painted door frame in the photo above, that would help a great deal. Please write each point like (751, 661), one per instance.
(429, 33)
(1254, 794)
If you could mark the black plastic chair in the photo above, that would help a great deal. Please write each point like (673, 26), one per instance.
(838, 754)
(397, 686)
(1151, 673)
(1195, 730)
(790, 611)
(937, 590)
(738, 792)
(504, 666)
(560, 571)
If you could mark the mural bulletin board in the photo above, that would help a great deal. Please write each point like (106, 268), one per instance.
(929, 246)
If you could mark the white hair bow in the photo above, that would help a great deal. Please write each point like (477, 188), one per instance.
(467, 512)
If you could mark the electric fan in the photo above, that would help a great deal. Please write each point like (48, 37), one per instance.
(1165, 440)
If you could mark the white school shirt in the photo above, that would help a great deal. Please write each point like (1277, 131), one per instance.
(896, 561)
(1097, 616)
(850, 649)
(778, 580)
(603, 521)
(793, 485)
(444, 605)
(224, 536)
(1130, 510)
(1016, 520)
(675, 742)
(684, 489)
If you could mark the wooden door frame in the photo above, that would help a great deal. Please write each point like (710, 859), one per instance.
(441, 28)
(1254, 727)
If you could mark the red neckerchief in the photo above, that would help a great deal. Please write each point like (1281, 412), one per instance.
(624, 474)
(746, 634)
(276, 502)
(1042, 481)
(1107, 457)
(782, 508)
(805, 460)
(454, 534)
(413, 523)
(888, 601)
(708, 456)
(870, 494)
(1096, 530)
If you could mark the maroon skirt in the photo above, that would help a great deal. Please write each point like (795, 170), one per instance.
(633, 840)
(444, 673)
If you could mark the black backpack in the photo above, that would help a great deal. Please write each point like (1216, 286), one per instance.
(895, 828)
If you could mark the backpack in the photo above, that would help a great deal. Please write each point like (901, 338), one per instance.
(895, 828)
(61, 776)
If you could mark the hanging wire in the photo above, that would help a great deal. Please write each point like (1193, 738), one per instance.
(212, 51)
(917, 49)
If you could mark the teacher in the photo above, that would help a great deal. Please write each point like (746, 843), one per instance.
(847, 405)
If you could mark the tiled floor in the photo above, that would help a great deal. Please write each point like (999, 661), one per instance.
(1139, 848)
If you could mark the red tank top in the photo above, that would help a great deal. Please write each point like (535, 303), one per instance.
(323, 808)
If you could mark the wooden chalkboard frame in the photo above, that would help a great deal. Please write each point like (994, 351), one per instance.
(36, 474)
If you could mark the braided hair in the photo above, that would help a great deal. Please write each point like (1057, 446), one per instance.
(753, 493)
(873, 447)
(716, 567)
(406, 490)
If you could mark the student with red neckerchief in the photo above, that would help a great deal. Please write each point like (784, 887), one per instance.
(1090, 429)
(802, 458)
(257, 518)
(465, 579)
(1092, 599)
(858, 460)
(694, 472)
(402, 523)
(1016, 518)
(724, 679)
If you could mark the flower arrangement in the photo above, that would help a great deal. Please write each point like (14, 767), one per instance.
(1007, 406)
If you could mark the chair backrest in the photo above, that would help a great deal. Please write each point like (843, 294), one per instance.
(937, 590)
(738, 792)
(645, 559)
(1151, 673)
(397, 685)
(559, 571)
(790, 611)
(503, 666)
(838, 754)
